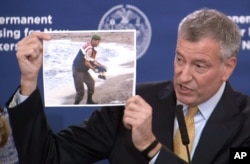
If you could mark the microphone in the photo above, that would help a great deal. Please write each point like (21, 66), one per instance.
(183, 128)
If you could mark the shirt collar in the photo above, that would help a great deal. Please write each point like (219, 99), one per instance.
(208, 106)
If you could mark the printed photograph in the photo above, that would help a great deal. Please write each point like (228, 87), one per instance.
(89, 68)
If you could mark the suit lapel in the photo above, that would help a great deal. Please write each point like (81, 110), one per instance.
(163, 116)
(220, 128)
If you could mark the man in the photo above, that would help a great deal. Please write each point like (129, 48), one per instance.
(84, 61)
(4, 128)
(8, 153)
(144, 129)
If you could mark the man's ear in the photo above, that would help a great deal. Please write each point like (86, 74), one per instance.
(229, 67)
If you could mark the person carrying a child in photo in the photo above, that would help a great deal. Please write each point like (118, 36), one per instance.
(85, 60)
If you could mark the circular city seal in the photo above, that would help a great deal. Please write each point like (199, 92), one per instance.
(129, 17)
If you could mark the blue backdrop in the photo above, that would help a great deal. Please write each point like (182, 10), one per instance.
(155, 21)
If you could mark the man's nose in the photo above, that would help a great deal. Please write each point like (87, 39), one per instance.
(186, 74)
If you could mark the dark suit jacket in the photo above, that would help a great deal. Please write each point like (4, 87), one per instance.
(104, 136)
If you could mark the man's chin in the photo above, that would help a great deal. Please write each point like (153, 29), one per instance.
(188, 100)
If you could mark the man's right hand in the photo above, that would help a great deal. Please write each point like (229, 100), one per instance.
(30, 58)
